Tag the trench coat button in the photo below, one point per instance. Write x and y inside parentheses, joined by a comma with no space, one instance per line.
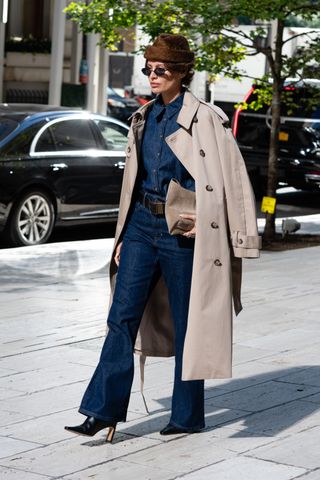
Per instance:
(128,149)
(195,120)
(214,225)
(209,188)
(240,241)
(217,262)
(202,153)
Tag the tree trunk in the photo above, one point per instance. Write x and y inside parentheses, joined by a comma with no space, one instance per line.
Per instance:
(275,67)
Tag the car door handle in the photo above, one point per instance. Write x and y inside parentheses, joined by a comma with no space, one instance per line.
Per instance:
(120,165)
(56,167)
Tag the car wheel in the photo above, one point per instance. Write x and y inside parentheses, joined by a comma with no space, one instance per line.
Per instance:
(32,219)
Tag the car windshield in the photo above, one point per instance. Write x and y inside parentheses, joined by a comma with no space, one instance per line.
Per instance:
(7,126)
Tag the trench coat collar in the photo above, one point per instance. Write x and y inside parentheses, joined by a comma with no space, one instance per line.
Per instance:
(188,110)
(139,117)
(185,118)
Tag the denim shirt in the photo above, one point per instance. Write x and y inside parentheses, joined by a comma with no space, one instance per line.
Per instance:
(158,163)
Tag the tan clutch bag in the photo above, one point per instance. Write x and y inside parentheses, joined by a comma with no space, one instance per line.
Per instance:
(179,200)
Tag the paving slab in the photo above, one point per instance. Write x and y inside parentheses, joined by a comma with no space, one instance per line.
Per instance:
(245,469)
(45,378)
(121,470)
(6,393)
(12,446)
(7,417)
(307,376)
(12,474)
(77,454)
(300,450)
(279,421)
(237,441)
(182,454)
(311,476)
(263,396)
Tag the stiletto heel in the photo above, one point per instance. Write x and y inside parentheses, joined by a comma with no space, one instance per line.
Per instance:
(93,425)
(110,434)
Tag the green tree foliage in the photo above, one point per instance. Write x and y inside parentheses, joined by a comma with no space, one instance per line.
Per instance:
(220,42)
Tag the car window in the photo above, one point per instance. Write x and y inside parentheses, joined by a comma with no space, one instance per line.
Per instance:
(45,142)
(114,136)
(67,135)
(7,126)
(21,143)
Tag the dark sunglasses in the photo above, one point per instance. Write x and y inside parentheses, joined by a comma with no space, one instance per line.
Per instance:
(159,71)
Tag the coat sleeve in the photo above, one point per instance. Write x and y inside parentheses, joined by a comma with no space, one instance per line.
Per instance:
(239,196)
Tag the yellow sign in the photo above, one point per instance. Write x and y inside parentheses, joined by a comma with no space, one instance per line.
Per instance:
(268,204)
(283,136)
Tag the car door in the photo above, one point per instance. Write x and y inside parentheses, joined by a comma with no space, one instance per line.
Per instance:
(113,139)
(81,173)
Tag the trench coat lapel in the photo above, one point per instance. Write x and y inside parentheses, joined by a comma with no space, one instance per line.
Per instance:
(180,141)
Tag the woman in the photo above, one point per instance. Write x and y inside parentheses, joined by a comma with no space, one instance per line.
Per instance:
(172,294)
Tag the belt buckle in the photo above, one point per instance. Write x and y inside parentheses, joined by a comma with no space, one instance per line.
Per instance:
(157,208)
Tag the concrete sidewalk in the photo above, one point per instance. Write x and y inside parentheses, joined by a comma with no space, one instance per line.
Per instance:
(264,424)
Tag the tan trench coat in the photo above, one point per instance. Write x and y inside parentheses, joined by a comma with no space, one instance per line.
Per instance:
(226,232)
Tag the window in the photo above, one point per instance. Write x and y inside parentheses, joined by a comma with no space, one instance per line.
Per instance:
(115,136)
(45,142)
(67,135)
(21,143)
(7,126)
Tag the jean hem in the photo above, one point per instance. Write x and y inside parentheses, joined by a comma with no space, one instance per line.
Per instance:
(195,429)
(101,417)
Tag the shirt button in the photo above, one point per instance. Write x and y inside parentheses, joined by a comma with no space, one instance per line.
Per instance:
(214,225)
(202,153)
(217,262)
(158,154)
(240,241)
(209,188)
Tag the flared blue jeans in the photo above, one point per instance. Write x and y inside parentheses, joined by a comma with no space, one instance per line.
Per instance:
(148,251)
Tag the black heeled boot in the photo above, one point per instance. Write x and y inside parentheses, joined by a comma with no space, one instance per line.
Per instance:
(172,430)
(93,425)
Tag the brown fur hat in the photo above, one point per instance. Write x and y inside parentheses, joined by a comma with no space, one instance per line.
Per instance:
(171,48)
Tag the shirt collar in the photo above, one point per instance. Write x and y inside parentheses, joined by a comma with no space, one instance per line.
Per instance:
(172,108)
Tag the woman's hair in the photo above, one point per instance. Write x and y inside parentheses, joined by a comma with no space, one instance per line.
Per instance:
(181,68)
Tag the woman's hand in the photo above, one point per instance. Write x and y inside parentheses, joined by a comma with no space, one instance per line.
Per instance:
(117,254)
(190,233)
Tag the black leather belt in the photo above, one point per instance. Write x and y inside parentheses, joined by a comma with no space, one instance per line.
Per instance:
(156,208)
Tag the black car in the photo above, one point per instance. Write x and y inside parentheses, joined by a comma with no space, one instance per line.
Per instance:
(299,152)
(57,167)
(120,107)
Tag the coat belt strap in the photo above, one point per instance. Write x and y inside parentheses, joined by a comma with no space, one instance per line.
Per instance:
(142,365)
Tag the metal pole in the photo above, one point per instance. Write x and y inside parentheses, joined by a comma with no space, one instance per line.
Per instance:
(103,80)
(2,53)
(56,67)
(93,64)
(76,53)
